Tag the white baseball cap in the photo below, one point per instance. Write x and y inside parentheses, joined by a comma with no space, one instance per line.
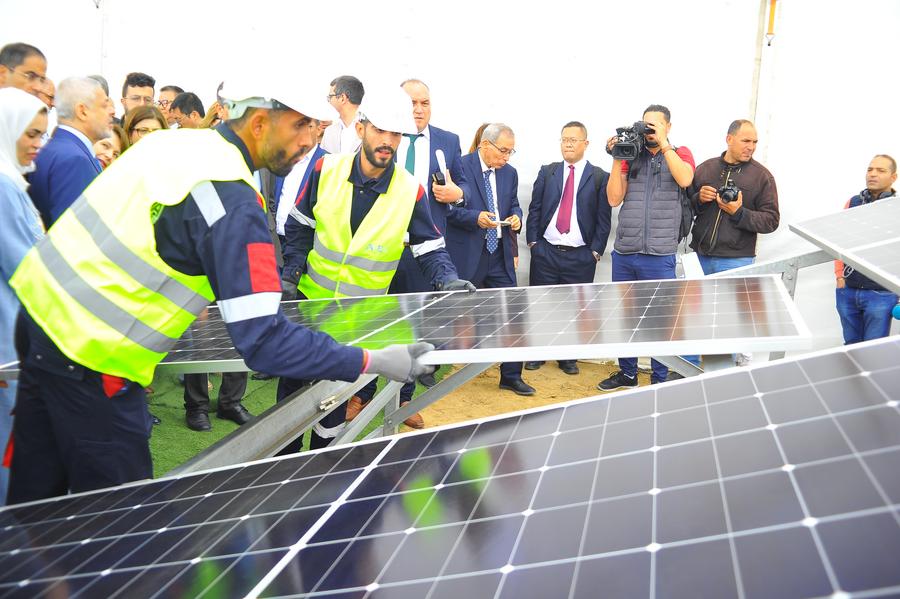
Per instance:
(272,92)
(389,109)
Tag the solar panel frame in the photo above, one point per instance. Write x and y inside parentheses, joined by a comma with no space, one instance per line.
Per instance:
(495,325)
(865,237)
(761,482)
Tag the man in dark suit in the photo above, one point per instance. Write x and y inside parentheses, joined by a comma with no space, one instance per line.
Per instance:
(418,154)
(568,220)
(481,251)
(66,165)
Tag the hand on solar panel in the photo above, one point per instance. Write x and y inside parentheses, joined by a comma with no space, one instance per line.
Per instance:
(400,362)
(458,285)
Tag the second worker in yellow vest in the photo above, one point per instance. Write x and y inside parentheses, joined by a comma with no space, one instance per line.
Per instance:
(347,232)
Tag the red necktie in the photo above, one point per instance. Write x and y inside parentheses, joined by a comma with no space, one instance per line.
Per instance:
(565,204)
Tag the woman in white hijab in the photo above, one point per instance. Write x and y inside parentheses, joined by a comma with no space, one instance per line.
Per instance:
(23,121)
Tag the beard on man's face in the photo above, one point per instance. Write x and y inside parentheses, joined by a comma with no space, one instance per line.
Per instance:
(373,157)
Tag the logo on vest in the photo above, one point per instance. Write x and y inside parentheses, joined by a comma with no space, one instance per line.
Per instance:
(378,249)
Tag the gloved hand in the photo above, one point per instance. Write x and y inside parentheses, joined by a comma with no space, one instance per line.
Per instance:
(458,285)
(288,290)
(290,276)
(400,362)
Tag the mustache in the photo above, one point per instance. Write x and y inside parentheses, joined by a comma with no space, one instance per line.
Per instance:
(385,149)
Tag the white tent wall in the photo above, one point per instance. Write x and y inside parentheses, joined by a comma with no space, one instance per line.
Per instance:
(827,86)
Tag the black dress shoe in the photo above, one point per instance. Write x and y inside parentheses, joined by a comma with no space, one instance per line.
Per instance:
(261,376)
(569,367)
(533,365)
(518,386)
(427,380)
(156,421)
(198,421)
(237,414)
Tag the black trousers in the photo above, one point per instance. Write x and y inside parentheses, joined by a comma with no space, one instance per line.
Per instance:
(75,429)
(491,274)
(196,391)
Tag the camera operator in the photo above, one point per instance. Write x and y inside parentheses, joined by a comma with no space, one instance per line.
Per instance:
(734,198)
(649,189)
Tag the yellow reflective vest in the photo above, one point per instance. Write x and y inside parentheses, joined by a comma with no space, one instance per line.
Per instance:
(96,284)
(346,264)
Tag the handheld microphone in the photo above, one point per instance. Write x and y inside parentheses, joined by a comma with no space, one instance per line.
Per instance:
(440,178)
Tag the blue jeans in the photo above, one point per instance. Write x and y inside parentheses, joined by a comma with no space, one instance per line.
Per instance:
(642,267)
(865,313)
(714,264)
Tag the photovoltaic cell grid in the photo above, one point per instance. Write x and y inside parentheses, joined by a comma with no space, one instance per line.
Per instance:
(866,238)
(774,481)
(571,321)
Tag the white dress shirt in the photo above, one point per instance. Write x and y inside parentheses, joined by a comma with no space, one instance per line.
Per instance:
(423,158)
(574,237)
(290,189)
(339,138)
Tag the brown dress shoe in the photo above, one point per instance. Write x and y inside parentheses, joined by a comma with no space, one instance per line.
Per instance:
(415,421)
(354,407)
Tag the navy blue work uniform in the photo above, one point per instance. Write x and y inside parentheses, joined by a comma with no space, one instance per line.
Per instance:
(77,429)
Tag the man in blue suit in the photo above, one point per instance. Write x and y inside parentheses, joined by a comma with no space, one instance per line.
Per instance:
(418,154)
(481,252)
(66,165)
(568,220)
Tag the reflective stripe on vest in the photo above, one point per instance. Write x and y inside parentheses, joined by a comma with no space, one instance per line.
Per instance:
(345,264)
(96,284)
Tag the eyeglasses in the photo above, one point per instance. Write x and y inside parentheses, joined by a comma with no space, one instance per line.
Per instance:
(330,96)
(141,99)
(30,75)
(505,151)
(570,140)
(143,130)
(160,103)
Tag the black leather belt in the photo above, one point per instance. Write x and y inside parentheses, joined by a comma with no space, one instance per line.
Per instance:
(565,248)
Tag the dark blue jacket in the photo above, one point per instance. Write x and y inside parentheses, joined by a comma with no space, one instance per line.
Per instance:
(64,168)
(465,239)
(592,208)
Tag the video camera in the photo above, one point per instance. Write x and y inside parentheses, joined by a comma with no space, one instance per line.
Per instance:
(630,140)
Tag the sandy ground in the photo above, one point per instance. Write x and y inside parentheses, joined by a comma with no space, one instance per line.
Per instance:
(481,396)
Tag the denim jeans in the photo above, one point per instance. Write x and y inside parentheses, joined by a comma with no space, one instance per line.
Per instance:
(642,267)
(865,313)
(714,264)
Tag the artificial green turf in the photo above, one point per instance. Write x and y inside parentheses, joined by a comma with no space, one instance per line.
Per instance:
(173,443)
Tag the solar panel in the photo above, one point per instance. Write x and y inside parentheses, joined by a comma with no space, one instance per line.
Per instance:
(866,238)
(668,317)
(779,480)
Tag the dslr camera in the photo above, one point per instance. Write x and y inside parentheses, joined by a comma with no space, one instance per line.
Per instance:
(728,192)
(630,141)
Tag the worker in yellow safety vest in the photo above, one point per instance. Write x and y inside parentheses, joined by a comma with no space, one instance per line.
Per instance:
(348,230)
(173,225)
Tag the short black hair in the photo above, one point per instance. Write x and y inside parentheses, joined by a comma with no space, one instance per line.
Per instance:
(137,80)
(349,86)
(12,55)
(578,124)
(171,88)
(188,102)
(659,108)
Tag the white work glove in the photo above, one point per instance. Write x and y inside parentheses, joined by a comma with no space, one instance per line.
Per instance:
(399,362)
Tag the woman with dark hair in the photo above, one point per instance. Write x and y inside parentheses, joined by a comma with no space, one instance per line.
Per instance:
(141,120)
(107,150)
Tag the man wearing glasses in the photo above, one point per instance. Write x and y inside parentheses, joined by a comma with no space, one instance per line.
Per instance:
(24,67)
(568,220)
(137,91)
(167,95)
(477,233)
(345,96)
